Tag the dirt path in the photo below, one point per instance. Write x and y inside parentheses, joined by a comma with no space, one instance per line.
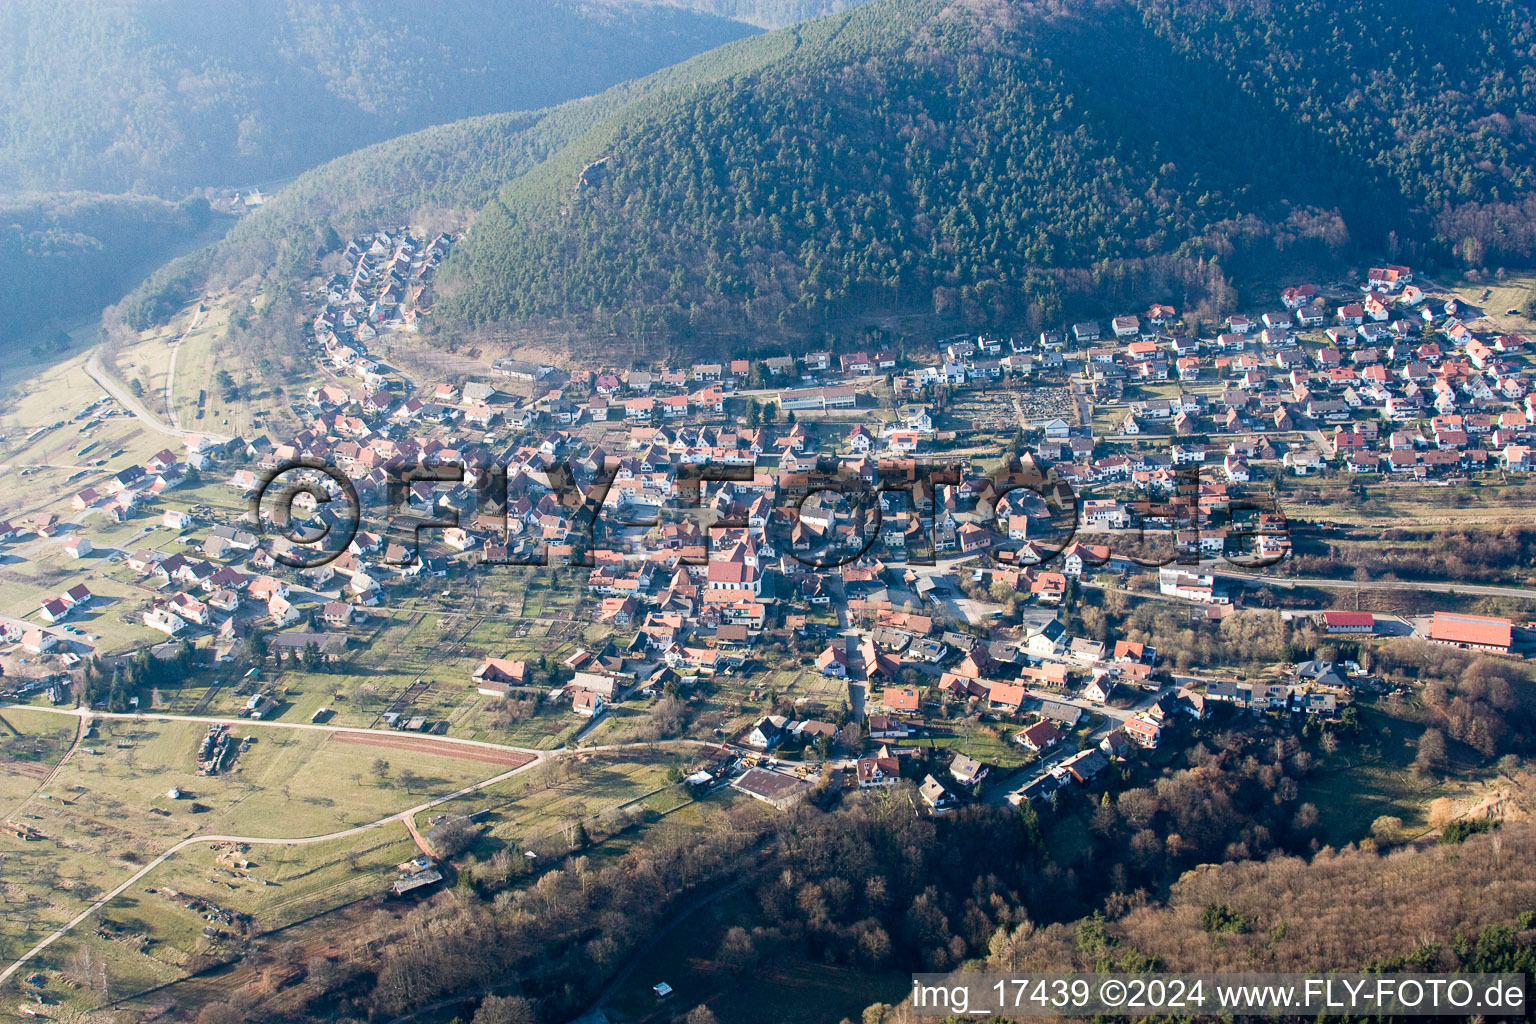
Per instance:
(52,773)
(97,373)
(170,373)
(427,745)
(440,744)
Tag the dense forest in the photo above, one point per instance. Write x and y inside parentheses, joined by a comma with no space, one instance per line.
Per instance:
(765,13)
(986,163)
(70,254)
(163,96)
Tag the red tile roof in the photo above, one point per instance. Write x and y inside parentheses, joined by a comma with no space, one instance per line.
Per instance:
(1448,627)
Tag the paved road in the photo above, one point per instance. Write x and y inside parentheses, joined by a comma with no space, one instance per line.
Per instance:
(1288,582)
(124,397)
(858,692)
(582,734)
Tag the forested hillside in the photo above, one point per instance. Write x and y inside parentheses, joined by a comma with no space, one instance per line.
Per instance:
(440,175)
(70,254)
(765,13)
(166,95)
(458,166)
(989,163)
(169,96)
(1464,907)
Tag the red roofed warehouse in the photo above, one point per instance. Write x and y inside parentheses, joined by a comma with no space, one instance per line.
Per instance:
(1471,631)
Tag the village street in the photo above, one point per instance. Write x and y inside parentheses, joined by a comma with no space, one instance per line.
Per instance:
(1009,788)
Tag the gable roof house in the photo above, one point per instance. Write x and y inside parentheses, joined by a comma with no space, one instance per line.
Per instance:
(767,732)
(1041,736)
(496,676)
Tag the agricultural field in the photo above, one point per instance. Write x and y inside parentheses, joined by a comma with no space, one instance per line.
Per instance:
(109,808)
(607,792)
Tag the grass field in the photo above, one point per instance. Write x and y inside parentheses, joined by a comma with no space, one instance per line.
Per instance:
(30,741)
(110,799)
(1351,791)
(284,884)
(149,363)
(1505,294)
(533,810)
(966,737)
(290,782)
(440,641)
(150,936)
(108,809)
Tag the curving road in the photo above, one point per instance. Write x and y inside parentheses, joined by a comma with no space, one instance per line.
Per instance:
(123,397)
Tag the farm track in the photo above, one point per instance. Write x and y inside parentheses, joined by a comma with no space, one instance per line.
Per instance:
(46,777)
(425,745)
(120,394)
(400,816)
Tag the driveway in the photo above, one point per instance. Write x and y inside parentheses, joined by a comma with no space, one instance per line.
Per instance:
(1112,717)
